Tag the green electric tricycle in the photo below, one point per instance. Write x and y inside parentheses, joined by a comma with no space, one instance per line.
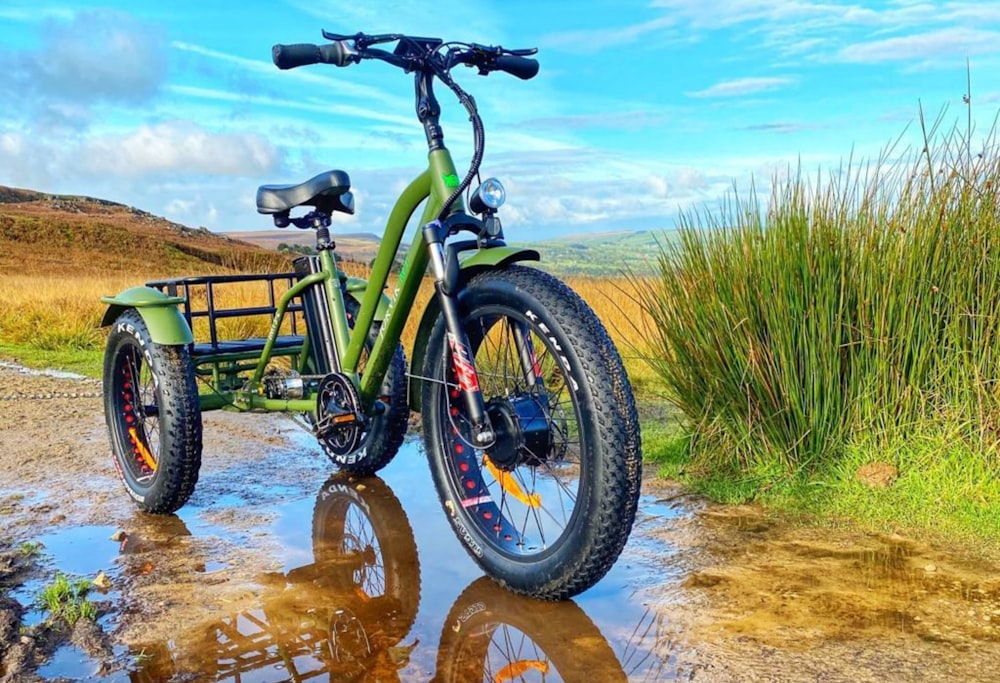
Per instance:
(529,422)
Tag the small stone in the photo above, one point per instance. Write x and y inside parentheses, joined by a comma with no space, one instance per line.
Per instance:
(102,581)
(118,536)
(877,475)
(930,568)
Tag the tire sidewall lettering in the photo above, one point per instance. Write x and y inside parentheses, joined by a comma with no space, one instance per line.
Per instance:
(567,366)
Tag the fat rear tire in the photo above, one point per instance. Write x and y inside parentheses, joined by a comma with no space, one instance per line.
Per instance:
(153,416)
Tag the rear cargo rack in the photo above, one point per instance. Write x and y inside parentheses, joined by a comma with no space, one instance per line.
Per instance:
(211,289)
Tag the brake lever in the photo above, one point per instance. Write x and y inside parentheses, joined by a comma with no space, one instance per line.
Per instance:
(526,52)
(338,36)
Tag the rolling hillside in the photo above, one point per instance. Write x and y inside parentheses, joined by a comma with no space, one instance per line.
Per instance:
(595,255)
(357,246)
(600,254)
(67,235)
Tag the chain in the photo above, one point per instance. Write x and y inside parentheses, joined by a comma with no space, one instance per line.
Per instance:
(49,396)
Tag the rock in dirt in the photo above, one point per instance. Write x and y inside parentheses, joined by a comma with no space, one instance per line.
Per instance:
(877,475)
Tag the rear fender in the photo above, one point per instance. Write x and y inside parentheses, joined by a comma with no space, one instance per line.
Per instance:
(471,263)
(164,320)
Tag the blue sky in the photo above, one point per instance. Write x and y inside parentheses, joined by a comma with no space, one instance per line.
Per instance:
(641,108)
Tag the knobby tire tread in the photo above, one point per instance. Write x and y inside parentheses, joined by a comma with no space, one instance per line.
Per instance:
(179,459)
(617,432)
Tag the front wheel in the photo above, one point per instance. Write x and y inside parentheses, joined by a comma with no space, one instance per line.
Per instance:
(153,415)
(547,507)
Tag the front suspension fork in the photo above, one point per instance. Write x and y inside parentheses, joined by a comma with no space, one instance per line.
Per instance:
(458,341)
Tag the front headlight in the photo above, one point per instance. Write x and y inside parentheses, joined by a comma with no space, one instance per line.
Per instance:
(489,196)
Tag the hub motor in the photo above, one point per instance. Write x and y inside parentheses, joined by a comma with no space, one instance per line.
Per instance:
(523,434)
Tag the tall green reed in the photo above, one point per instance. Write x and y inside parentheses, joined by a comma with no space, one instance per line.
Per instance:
(862,301)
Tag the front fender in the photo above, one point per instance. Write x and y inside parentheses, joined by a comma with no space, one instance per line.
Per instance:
(471,263)
(165,322)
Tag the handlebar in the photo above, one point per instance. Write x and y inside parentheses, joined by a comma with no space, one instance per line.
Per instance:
(427,58)
(411,54)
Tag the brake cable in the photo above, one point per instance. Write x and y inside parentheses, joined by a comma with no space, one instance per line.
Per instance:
(479,136)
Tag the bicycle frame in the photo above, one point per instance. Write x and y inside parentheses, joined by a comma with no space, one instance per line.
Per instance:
(429,185)
(439,186)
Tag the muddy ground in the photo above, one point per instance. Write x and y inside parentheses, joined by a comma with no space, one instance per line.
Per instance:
(735,594)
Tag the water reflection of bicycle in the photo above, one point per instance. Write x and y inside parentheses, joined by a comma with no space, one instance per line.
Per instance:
(347,614)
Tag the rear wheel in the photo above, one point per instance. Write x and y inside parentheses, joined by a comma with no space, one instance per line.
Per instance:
(547,507)
(153,415)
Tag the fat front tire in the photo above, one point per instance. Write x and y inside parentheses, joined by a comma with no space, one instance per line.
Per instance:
(386,432)
(546,508)
(153,415)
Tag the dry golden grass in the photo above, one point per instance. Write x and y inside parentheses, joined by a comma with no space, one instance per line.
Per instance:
(56,314)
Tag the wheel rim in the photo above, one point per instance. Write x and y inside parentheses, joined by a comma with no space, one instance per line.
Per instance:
(137,422)
(522,497)
(355,539)
(512,655)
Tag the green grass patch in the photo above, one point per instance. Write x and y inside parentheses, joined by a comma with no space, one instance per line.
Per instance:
(849,318)
(86,361)
(30,549)
(944,487)
(67,600)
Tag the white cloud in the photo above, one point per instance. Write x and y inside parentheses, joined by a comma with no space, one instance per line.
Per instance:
(820,29)
(594,40)
(180,147)
(949,42)
(342,86)
(744,86)
(100,54)
(315,106)
(32,13)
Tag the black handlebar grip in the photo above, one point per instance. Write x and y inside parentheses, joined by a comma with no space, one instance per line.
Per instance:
(291,56)
(521,67)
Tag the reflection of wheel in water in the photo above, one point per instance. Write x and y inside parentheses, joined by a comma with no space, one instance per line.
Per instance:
(492,635)
(363,545)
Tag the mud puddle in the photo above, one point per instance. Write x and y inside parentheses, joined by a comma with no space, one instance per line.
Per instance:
(369,583)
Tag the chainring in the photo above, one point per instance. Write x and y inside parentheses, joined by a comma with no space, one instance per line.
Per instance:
(340,421)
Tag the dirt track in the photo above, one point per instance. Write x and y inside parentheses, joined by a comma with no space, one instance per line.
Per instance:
(741,596)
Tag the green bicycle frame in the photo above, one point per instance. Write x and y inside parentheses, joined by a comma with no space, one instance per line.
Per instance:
(431,185)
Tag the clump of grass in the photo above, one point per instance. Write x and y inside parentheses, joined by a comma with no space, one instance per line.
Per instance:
(30,549)
(66,600)
(849,313)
